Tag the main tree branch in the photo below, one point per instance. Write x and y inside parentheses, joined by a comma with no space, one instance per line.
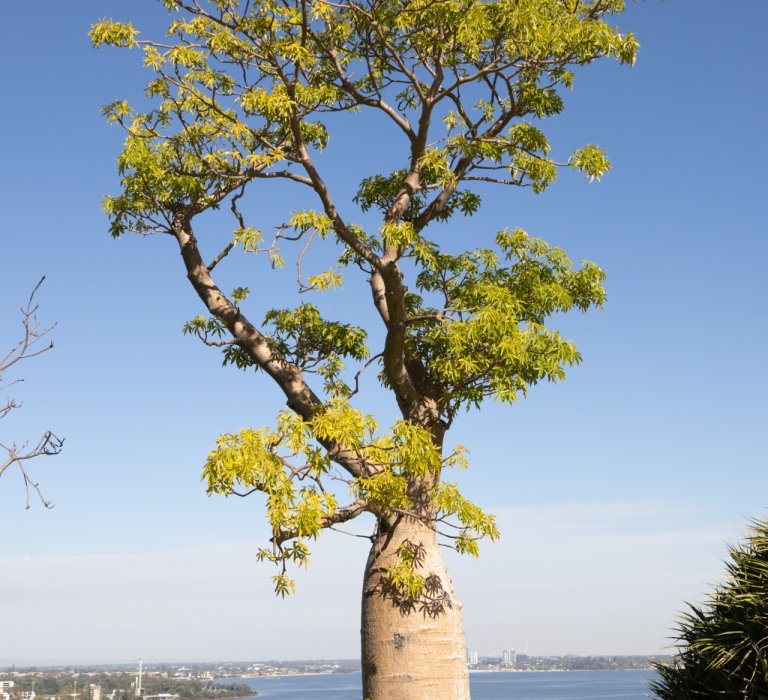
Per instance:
(301,399)
(340,515)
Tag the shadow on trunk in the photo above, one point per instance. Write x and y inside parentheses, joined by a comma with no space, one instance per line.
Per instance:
(432,601)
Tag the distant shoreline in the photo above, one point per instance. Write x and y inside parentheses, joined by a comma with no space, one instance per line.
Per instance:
(479,670)
(288,675)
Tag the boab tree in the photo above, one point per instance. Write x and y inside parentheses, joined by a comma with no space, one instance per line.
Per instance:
(241,91)
(33,342)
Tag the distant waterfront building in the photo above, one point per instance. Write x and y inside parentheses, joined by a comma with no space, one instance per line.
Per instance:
(472,658)
(509,657)
(139,675)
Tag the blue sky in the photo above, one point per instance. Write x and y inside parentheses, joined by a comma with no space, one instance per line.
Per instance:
(616,489)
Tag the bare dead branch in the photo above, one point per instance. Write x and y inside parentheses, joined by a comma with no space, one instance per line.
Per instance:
(223,254)
(362,369)
(27,347)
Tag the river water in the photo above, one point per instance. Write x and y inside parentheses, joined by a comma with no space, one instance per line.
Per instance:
(540,685)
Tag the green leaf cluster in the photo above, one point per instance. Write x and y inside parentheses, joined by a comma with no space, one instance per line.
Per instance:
(474,523)
(489,339)
(403,577)
(380,191)
(109,33)
(309,341)
(289,464)
(591,161)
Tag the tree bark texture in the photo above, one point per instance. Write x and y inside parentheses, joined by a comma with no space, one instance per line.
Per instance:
(412,648)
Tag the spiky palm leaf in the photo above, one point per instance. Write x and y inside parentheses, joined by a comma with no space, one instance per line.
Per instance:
(723,645)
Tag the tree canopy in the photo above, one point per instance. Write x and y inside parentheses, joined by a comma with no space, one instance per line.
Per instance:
(241,92)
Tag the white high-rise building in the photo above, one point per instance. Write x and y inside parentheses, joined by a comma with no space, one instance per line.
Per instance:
(472,658)
(509,657)
(139,677)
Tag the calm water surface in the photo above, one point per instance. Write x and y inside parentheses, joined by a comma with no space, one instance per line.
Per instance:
(572,685)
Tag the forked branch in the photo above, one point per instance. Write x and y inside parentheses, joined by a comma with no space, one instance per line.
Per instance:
(33,342)
(340,515)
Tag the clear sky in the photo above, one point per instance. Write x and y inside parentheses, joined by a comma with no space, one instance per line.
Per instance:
(616,490)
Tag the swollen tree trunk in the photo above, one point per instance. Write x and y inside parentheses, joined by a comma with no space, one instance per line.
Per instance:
(412,648)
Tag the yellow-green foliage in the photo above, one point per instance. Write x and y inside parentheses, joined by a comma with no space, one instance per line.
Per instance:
(403,576)
(490,338)
(239,92)
(287,464)
(234,125)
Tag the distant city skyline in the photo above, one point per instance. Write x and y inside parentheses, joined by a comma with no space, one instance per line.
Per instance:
(616,490)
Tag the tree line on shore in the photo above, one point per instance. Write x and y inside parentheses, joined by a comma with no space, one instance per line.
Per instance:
(122,686)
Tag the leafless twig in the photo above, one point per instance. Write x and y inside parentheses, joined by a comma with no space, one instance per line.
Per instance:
(34,342)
